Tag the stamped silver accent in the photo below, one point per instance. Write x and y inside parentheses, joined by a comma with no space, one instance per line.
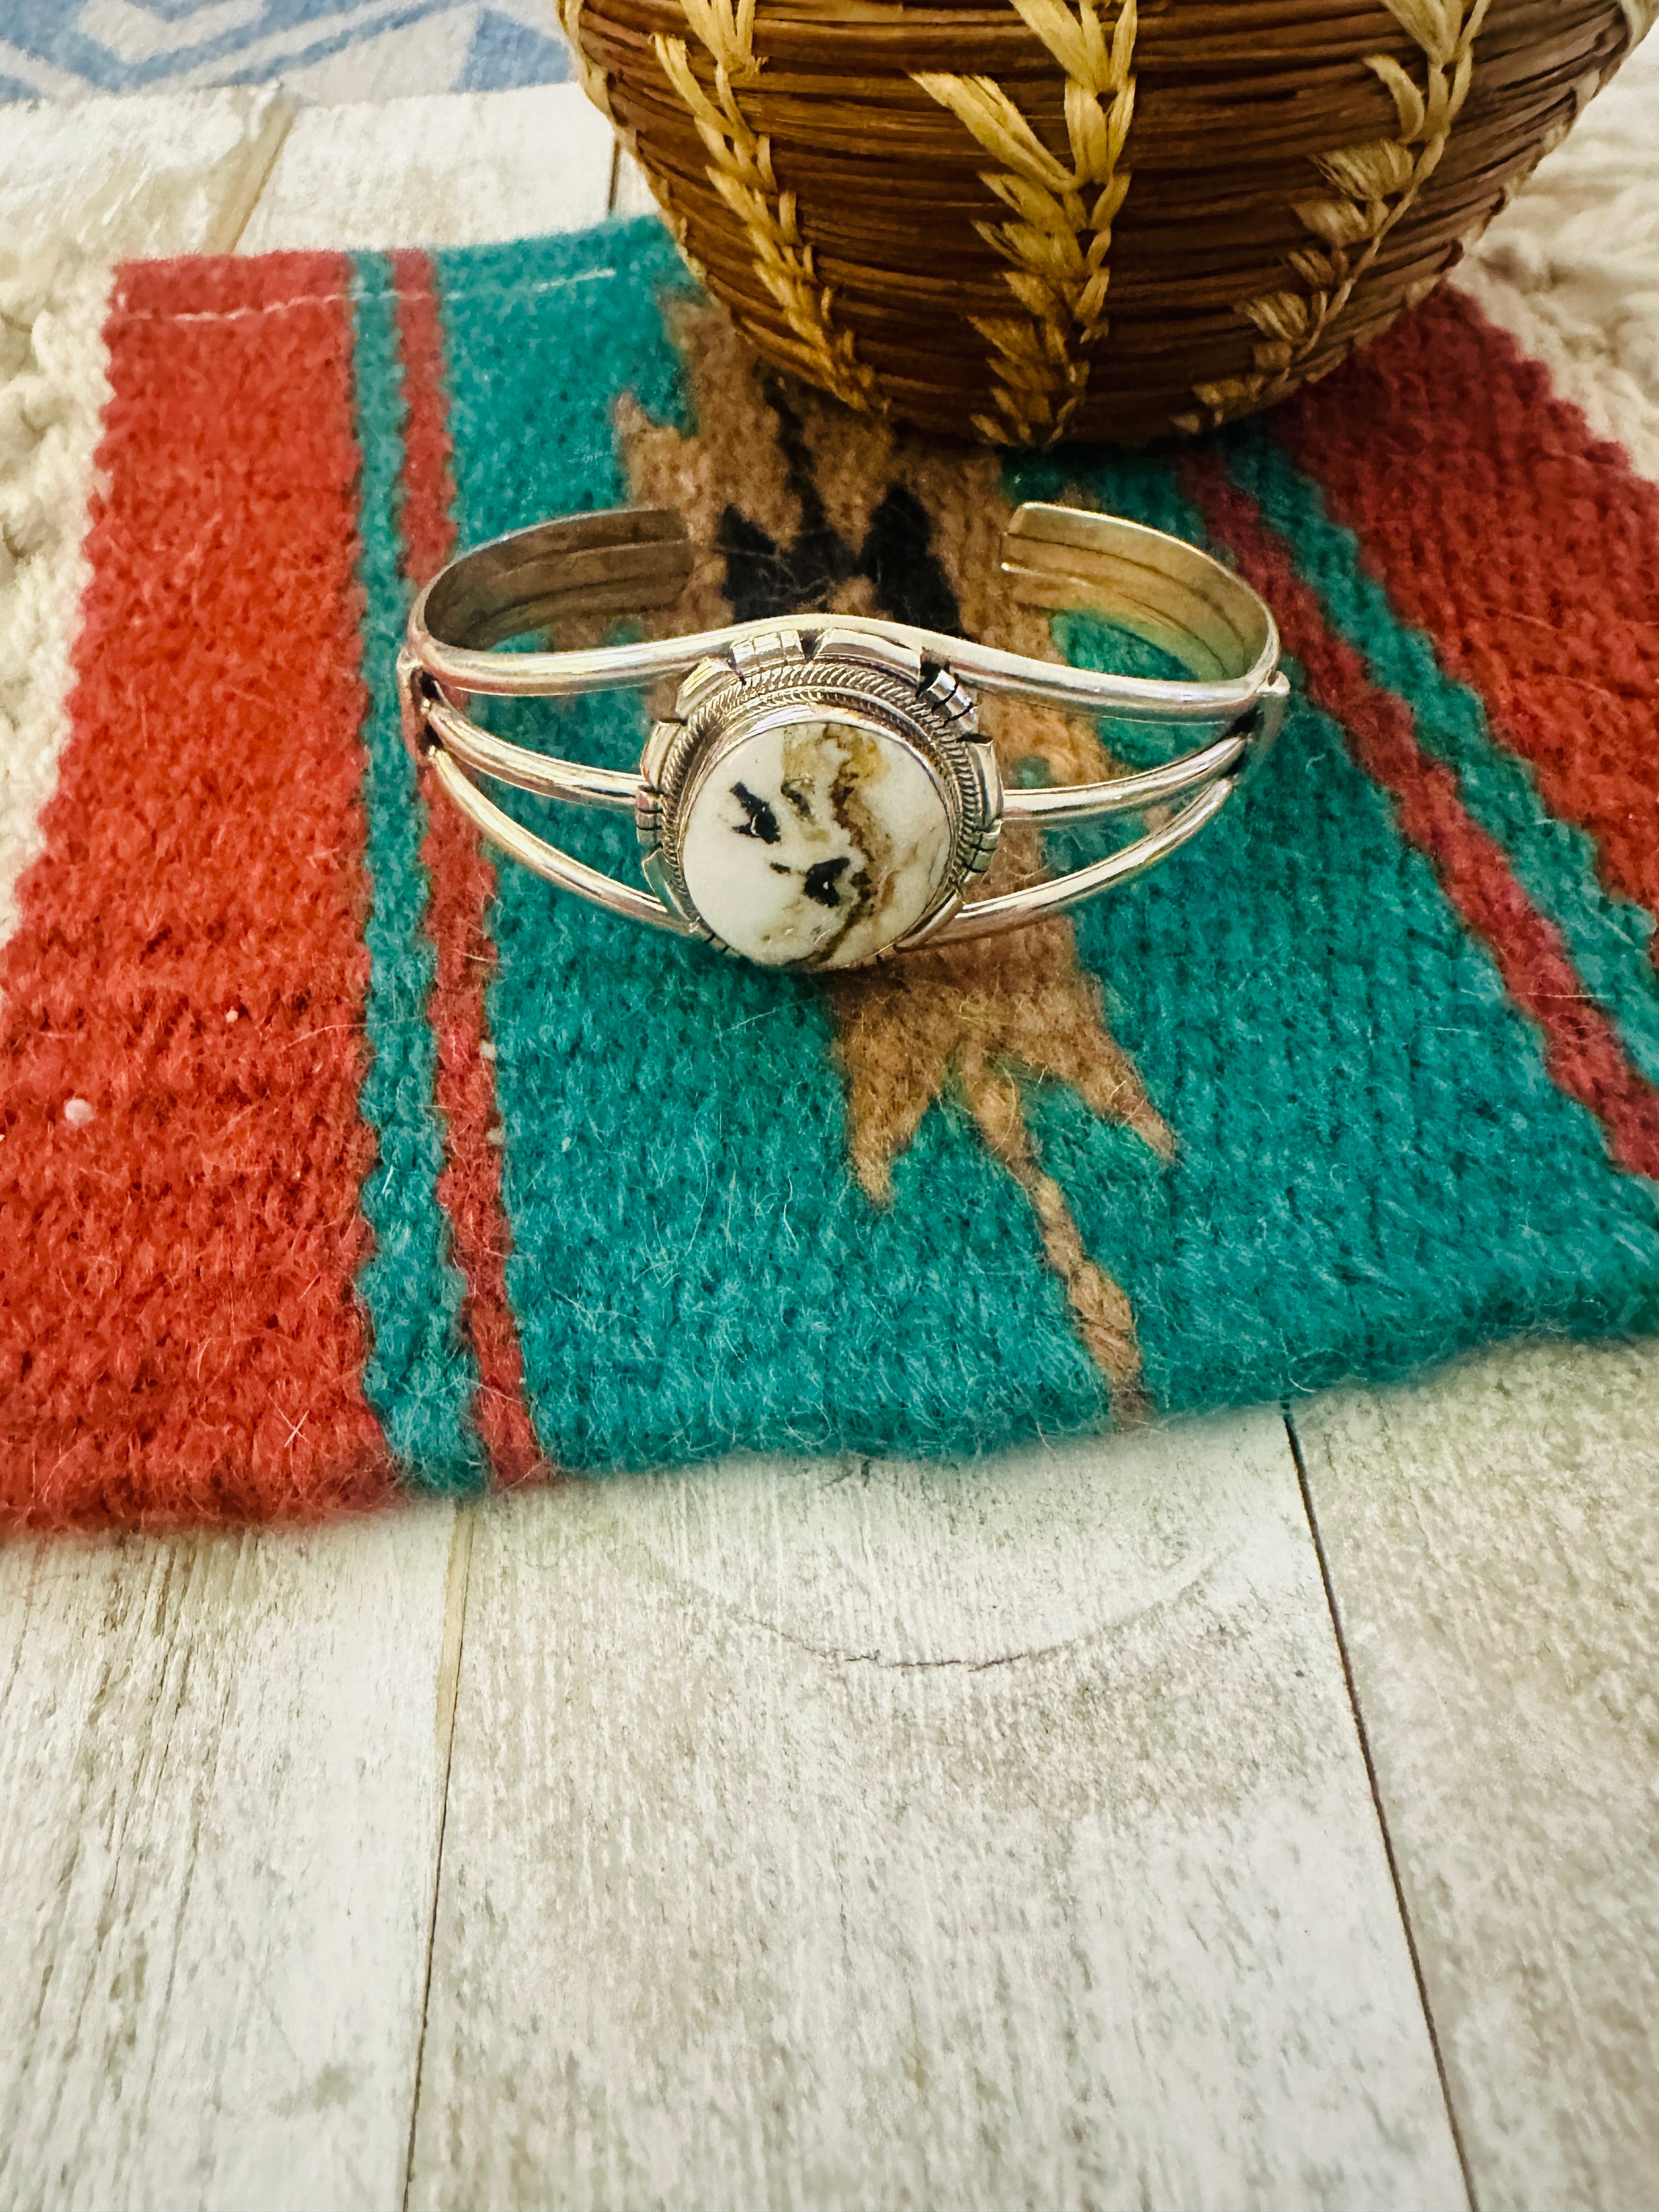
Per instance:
(771,649)
(957,701)
(845,645)
(708,676)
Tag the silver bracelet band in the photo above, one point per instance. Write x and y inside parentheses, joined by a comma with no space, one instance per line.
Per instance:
(822,796)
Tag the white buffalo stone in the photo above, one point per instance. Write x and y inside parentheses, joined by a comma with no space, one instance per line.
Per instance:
(822,840)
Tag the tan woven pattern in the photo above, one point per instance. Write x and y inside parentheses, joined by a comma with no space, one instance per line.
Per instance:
(927,210)
(975,1021)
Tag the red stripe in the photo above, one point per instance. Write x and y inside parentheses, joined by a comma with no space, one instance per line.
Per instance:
(1527,549)
(463,884)
(1581,1048)
(178,1332)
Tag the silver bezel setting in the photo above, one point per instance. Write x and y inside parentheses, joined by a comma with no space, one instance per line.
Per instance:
(835,676)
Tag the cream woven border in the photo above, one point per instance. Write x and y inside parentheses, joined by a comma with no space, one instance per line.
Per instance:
(1570,268)
(53,387)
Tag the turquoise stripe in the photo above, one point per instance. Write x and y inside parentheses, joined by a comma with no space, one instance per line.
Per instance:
(1554,861)
(1373,1167)
(692,1268)
(420,1377)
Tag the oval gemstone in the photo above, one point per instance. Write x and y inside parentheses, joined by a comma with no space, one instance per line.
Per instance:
(823,840)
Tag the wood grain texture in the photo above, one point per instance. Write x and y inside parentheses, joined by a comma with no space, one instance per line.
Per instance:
(147,173)
(222,1760)
(447,169)
(1492,1539)
(862,1835)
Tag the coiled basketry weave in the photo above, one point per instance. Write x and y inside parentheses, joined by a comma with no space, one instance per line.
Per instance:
(1026,220)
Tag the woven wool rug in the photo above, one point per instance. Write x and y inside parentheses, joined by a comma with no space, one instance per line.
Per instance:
(337,1161)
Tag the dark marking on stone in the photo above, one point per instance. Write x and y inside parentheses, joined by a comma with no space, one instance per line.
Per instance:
(823,883)
(762,822)
(799,799)
(781,868)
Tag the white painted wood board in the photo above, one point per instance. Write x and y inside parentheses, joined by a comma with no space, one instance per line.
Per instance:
(860,1835)
(1492,1539)
(221,1763)
(445,169)
(146,173)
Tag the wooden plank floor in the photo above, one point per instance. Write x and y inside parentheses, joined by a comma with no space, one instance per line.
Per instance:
(1492,1537)
(221,1763)
(848,1834)
(865,1835)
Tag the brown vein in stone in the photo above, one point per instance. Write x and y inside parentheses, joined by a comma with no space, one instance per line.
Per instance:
(874,881)
(975,1017)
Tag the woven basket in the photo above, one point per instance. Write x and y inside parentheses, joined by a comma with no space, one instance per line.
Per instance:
(1026,220)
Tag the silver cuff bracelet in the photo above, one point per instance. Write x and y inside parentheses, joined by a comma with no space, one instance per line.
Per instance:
(822,798)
